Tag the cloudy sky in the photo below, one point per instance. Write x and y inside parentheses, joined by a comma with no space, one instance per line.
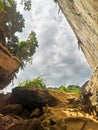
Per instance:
(58,57)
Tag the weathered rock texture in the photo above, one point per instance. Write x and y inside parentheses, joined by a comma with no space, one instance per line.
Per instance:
(62,116)
(82,15)
(89,93)
(8,66)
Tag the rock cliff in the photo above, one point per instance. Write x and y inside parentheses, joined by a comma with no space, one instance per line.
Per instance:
(8,66)
(82,15)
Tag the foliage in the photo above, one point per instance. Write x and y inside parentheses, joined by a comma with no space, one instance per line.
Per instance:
(63,88)
(25,49)
(73,86)
(9,3)
(4,3)
(38,82)
(74,89)
(70,89)
(11,21)
(27,4)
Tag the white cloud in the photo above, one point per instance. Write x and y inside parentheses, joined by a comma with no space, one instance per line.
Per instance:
(58,56)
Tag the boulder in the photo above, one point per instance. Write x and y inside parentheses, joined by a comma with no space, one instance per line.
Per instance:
(3,100)
(12,109)
(31,98)
(9,122)
(8,66)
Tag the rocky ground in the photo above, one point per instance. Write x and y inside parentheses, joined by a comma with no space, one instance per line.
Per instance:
(34,109)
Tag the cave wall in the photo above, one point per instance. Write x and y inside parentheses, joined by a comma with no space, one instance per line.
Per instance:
(82,15)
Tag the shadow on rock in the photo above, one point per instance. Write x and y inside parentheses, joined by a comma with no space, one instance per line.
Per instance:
(31,98)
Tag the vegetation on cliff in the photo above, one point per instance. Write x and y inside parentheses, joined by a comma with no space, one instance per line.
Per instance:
(39,82)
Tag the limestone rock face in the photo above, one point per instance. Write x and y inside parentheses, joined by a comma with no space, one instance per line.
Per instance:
(90,93)
(8,66)
(82,15)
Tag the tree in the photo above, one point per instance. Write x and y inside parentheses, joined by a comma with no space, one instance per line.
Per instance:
(73,86)
(9,3)
(11,21)
(27,4)
(25,49)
